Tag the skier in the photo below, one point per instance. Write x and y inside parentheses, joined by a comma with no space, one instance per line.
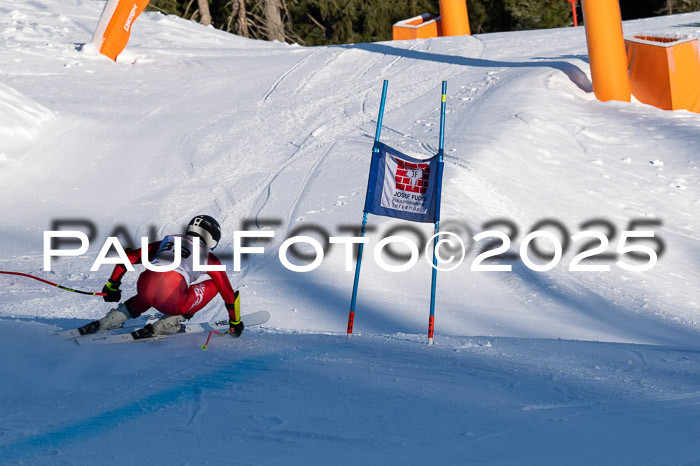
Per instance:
(172,293)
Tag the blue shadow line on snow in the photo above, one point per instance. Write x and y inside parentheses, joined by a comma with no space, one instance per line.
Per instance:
(607,313)
(574,73)
(80,430)
(61,322)
(371,318)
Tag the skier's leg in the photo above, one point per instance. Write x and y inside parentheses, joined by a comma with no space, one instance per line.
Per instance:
(197,296)
(149,284)
(165,292)
(115,318)
(153,288)
(161,290)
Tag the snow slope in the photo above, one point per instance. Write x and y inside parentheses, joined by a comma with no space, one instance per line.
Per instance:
(528,367)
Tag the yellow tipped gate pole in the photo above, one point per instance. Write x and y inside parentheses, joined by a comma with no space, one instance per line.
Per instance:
(606,49)
(454,18)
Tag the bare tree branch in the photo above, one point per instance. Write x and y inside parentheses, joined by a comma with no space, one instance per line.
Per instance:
(315,21)
(187,10)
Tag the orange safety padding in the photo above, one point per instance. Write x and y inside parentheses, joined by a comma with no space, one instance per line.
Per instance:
(418,27)
(606,50)
(665,72)
(118,29)
(454,16)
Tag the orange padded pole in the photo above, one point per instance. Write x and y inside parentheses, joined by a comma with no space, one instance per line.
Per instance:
(114,27)
(606,49)
(454,18)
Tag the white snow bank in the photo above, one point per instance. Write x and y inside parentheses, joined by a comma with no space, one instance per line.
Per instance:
(20,117)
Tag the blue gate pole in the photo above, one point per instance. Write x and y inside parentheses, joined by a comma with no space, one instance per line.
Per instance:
(441,151)
(377,134)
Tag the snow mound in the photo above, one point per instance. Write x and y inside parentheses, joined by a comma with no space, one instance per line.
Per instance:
(21,117)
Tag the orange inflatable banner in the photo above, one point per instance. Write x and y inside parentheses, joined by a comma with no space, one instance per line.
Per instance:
(114,28)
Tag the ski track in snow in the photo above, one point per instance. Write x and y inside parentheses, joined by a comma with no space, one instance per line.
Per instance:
(341,127)
(288,72)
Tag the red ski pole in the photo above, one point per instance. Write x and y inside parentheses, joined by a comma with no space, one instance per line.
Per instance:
(211,332)
(52,284)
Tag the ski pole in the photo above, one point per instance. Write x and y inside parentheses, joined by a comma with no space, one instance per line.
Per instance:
(211,332)
(51,283)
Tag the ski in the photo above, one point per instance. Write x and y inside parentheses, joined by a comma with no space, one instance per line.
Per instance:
(249,320)
(139,322)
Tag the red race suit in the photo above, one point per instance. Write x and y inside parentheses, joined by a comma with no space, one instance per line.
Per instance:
(173,292)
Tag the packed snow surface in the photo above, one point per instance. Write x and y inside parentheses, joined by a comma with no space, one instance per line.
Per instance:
(528,367)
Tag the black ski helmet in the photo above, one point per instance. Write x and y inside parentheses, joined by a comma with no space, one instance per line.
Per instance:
(205,227)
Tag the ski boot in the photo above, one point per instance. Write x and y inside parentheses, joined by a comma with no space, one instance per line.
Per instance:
(168,325)
(114,319)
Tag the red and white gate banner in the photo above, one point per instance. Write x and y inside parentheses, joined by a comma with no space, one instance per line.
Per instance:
(402,186)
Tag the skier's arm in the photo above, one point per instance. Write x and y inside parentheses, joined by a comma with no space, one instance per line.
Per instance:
(111,290)
(223,285)
(134,256)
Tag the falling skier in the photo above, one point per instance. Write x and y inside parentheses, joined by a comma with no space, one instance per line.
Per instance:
(172,292)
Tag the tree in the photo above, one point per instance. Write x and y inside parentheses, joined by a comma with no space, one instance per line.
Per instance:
(324,22)
(539,14)
(273,20)
(674,7)
(489,16)
(204,12)
(238,12)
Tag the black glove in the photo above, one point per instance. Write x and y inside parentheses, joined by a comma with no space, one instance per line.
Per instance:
(235,328)
(112,292)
